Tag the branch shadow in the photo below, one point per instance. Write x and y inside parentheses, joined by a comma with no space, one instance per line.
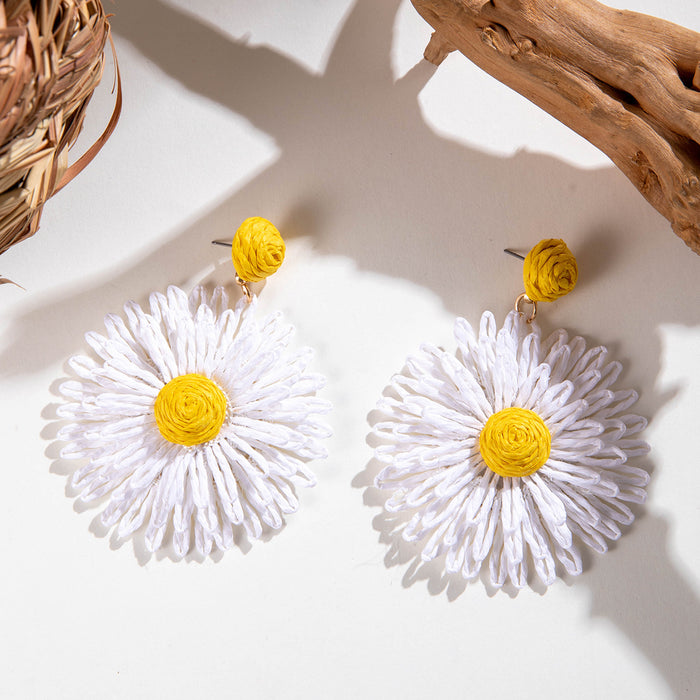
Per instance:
(640,589)
(363,175)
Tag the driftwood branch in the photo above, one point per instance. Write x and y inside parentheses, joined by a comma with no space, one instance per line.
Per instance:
(627,82)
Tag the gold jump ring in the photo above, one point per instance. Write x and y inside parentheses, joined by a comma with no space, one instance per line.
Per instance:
(525,299)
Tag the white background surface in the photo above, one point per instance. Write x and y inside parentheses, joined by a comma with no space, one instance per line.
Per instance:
(397,187)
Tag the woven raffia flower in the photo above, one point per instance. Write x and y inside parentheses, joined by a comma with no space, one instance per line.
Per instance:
(510,451)
(196,418)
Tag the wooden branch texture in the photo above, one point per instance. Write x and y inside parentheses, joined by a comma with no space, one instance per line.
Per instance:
(626,82)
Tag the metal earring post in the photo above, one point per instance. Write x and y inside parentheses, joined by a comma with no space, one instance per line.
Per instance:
(523,298)
(505,250)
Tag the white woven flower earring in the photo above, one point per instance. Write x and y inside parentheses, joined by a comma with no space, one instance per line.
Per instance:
(195,418)
(509,452)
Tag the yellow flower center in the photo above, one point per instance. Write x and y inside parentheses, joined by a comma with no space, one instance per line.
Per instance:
(515,442)
(190,409)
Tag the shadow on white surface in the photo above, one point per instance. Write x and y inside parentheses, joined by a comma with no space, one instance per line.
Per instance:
(362,174)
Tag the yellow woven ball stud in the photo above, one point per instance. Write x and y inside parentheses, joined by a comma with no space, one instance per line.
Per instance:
(549,271)
(257,249)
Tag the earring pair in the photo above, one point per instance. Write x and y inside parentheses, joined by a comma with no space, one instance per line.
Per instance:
(197,419)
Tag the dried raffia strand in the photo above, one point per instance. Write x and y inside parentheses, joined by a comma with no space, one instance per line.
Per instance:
(257,250)
(549,271)
(515,442)
(190,409)
(51,60)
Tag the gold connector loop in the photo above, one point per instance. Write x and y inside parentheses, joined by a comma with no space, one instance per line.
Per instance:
(525,299)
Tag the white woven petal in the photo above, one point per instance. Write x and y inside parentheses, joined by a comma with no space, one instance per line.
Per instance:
(428,434)
(193,497)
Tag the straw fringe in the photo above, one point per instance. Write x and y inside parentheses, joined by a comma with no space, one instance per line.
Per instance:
(51,60)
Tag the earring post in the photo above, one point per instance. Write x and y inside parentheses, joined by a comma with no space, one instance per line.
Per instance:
(511,252)
(228,245)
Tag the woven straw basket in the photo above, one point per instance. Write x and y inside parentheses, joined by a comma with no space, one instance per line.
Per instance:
(51,60)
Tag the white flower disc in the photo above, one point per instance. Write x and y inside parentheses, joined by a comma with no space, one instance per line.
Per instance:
(455,505)
(245,474)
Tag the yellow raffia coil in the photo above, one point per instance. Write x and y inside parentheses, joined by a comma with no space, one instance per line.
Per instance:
(549,271)
(190,409)
(257,250)
(515,442)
